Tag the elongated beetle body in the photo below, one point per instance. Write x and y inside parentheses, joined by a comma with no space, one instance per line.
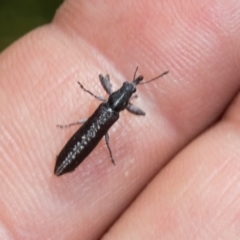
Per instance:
(96,127)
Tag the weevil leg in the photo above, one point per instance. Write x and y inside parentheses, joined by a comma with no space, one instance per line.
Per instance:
(105,81)
(72,124)
(134,96)
(135,110)
(109,149)
(97,97)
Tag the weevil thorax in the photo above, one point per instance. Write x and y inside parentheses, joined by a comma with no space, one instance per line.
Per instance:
(119,100)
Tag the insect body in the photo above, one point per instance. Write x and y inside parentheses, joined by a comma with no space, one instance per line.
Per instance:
(94,128)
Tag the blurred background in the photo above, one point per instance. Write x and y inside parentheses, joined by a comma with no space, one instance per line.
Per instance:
(18,17)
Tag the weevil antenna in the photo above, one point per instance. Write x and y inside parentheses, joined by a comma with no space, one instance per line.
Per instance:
(161,75)
(135,73)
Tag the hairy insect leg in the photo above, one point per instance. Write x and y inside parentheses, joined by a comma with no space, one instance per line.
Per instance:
(105,81)
(97,97)
(72,124)
(135,110)
(110,152)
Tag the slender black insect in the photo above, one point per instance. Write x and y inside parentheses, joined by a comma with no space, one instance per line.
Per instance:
(94,128)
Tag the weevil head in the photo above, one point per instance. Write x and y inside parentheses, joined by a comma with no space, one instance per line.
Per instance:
(137,80)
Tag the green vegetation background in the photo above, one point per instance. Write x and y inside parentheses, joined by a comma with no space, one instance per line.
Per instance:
(18,17)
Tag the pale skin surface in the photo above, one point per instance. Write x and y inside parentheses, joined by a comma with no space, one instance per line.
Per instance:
(177,173)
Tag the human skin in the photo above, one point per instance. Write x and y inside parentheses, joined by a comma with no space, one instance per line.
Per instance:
(177,170)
